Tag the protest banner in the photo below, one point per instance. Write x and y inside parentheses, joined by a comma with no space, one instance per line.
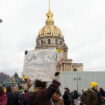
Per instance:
(41,64)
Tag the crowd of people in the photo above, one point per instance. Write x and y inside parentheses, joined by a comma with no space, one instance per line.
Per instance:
(41,95)
(91,96)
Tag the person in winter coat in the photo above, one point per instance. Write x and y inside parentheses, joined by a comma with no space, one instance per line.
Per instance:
(67,97)
(102,93)
(75,97)
(57,100)
(42,96)
(81,96)
(75,94)
(3,97)
(92,96)
(10,96)
(16,96)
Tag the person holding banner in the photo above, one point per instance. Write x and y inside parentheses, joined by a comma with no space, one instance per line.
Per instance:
(41,95)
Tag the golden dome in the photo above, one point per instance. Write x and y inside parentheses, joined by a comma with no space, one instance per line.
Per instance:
(50,29)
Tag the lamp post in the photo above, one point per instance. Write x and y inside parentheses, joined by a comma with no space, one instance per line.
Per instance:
(77,79)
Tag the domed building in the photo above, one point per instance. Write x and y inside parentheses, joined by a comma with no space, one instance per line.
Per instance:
(50,36)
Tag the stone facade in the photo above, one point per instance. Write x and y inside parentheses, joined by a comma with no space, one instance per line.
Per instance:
(50,36)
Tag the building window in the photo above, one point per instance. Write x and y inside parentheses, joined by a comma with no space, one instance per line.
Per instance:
(41,42)
(49,41)
(60,42)
(44,42)
(37,43)
(56,41)
(49,33)
(75,70)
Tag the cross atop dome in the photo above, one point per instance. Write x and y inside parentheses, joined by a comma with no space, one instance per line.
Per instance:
(49,20)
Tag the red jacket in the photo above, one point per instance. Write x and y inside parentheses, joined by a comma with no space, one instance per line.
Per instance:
(3,99)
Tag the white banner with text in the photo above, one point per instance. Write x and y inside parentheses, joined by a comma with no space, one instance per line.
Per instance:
(41,64)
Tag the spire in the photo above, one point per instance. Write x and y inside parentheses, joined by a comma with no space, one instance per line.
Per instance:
(49,5)
(49,15)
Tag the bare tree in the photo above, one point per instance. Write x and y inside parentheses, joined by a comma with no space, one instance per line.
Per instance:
(4,78)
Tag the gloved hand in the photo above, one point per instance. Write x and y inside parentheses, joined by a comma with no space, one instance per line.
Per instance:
(57,76)
(57,73)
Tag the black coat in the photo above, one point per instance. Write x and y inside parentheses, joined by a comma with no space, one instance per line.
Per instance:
(67,98)
(16,96)
(75,95)
(102,93)
(10,98)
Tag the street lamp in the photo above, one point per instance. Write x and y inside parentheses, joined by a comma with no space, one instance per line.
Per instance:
(77,79)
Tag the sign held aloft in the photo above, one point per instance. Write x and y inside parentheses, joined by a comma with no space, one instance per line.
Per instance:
(41,64)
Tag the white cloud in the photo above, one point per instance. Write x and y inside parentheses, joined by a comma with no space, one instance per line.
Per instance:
(82,23)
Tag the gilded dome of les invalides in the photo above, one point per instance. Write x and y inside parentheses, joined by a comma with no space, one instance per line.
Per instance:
(50,29)
(50,36)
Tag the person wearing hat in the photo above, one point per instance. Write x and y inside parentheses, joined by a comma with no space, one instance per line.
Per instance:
(3,97)
(92,96)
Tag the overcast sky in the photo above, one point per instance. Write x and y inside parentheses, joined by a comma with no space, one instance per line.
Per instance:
(82,23)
